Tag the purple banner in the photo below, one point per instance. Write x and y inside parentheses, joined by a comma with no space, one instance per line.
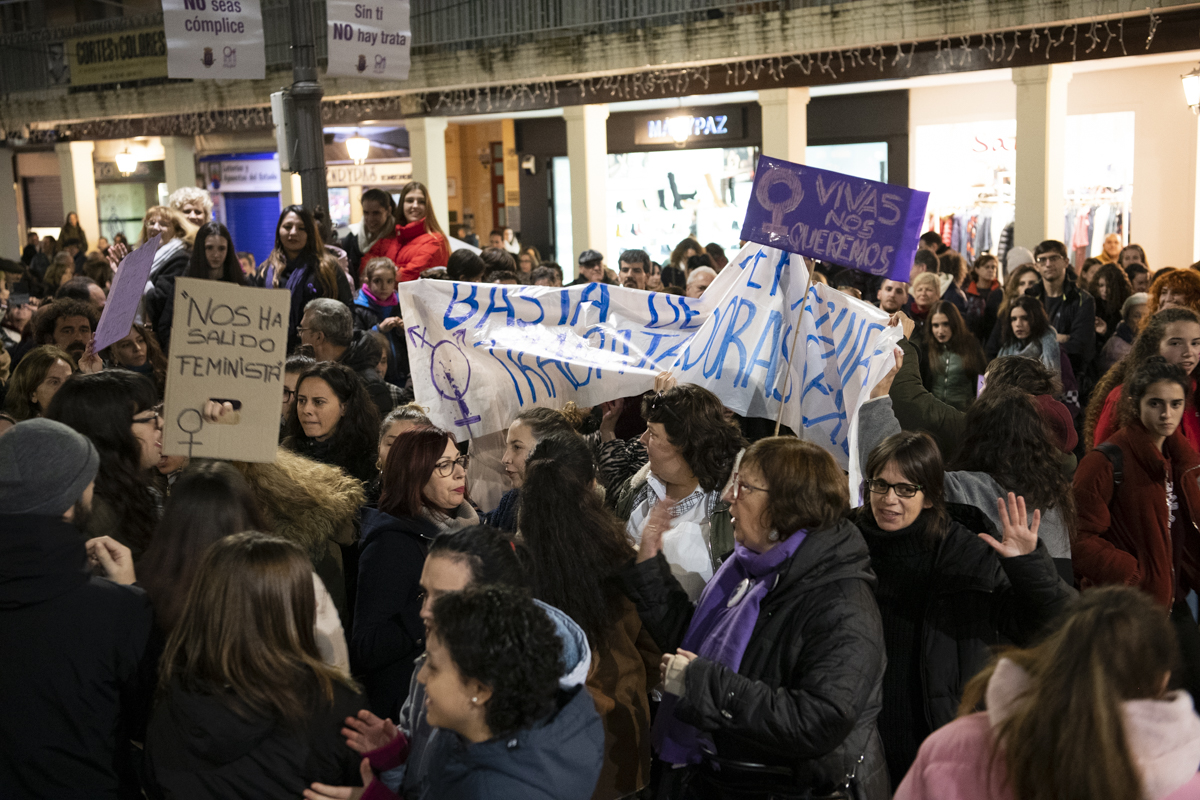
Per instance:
(853,222)
(125,295)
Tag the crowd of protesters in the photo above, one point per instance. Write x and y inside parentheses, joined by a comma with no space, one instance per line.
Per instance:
(663,601)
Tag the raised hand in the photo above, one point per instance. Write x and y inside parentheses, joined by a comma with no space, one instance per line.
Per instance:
(885,384)
(367,732)
(89,362)
(608,423)
(1020,538)
(664,381)
(652,532)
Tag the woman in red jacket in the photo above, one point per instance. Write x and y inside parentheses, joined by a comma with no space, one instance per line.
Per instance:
(419,242)
(1172,333)
(1139,528)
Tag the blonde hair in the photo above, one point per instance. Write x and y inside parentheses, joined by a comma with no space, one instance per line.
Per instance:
(926,277)
(186,195)
(181,228)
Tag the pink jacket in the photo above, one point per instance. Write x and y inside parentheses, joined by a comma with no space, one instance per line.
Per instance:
(953,763)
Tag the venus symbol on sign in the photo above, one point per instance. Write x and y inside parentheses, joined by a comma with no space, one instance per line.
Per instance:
(781,206)
(450,372)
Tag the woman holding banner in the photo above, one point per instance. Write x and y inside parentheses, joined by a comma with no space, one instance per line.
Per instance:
(692,449)
(300,263)
(419,242)
(774,680)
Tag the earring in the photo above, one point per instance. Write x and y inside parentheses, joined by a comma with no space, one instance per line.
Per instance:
(474,699)
(773,536)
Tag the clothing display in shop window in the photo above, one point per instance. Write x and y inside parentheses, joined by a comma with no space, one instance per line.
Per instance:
(983,235)
(1099,227)
(1005,244)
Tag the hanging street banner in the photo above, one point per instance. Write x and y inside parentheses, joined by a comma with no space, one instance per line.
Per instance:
(228,345)
(852,222)
(369,40)
(492,351)
(117,57)
(214,39)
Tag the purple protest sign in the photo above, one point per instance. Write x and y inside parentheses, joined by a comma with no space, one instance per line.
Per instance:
(853,222)
(125,296)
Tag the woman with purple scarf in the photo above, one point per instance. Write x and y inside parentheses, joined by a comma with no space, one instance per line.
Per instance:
(774,679)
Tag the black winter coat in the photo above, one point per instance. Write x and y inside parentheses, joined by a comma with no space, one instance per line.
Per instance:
(810,684)
(977,602)
(198,747)
(160,303)
(388,633)
(73,666)
(362,356)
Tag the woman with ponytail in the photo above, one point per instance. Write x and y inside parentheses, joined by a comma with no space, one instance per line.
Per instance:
(1083,716)
(573,549)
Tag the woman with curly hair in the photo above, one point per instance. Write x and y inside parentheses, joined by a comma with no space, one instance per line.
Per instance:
(1007,446)
(1173,334)
(1111,288)
(692,449)
(573,549)
(301,264)
(334,420)
(1176,288)
(119,411)
(473,692)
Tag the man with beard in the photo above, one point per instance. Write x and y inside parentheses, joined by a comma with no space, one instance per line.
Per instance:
(76,685)
(634,269)
(67,324)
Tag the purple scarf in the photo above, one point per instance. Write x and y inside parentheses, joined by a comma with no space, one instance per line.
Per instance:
(720,633)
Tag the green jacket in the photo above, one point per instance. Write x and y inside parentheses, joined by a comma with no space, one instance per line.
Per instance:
(918,410)
(720,542)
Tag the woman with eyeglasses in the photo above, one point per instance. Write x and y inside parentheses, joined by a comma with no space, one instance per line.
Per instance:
(774,679)
(333,420)
(424,494)
(948,596)
(118,410)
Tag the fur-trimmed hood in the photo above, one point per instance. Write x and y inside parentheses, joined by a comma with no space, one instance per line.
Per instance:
(306,501)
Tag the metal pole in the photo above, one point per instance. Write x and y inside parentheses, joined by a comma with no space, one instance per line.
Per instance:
(306,93)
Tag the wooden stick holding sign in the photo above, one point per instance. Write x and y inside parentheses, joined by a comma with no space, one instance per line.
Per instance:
(787,369)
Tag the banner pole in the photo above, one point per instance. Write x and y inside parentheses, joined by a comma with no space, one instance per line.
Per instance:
(791,353)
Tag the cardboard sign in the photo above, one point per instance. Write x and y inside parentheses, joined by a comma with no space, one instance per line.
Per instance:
(481,354)
(125,295)
(214,39)
(369,40)
(228,344)
(853,222)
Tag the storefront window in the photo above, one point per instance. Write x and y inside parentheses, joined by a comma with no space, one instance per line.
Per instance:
(657,199)
(1098,183)
(867,160)
(122,207)
(339,206)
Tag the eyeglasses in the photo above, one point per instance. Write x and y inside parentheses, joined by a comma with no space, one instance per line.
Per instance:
(155,417)
(1046,261)
(740,487)
(288,394)
(905,490)
(302,329)
(445,468)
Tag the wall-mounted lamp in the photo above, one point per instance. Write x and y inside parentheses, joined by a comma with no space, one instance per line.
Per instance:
(126,162)
(1191,89)
(359,147)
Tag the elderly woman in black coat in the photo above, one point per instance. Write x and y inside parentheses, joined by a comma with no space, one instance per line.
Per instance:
(774,679)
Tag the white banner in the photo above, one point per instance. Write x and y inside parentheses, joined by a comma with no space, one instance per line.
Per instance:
(369,40)
(492,351)
(214,39)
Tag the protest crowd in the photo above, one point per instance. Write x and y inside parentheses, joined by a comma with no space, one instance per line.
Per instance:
(652,597)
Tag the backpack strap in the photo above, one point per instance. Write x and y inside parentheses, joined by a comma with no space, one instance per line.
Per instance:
(1113,453)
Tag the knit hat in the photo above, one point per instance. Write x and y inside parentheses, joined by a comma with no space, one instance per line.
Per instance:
(1058,419)
(44,468)
(1016,257)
